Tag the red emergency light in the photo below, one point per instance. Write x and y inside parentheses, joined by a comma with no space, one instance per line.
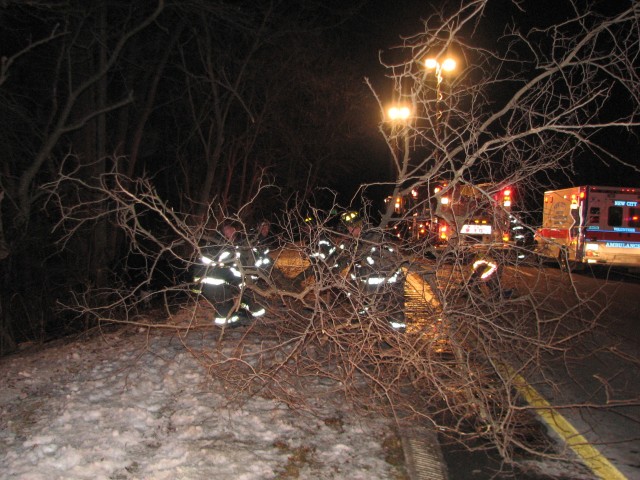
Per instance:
(506,197)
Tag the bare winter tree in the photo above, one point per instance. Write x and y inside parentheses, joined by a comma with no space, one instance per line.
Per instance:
(522,110)
(517,114)
(63,107)
(519,110)
(235,101)
(525,108)
(148,90)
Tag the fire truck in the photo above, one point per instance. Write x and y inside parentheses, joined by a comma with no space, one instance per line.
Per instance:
(473,214)
(591,225)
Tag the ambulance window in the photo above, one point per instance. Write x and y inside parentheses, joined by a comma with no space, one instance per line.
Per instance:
(615,217)
(634,217)
(594,215)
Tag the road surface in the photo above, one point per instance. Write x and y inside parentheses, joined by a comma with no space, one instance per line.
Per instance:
(596,380)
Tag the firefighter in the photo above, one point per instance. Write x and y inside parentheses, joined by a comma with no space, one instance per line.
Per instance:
(263,236)
(321,252)
(261,242)
(375,268)
(222,278)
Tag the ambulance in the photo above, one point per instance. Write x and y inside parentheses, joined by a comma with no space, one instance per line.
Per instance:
(591,225)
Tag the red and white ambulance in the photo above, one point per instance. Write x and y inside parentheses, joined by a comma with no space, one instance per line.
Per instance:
(591,225)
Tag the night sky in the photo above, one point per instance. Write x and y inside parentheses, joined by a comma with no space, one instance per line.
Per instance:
(382,23)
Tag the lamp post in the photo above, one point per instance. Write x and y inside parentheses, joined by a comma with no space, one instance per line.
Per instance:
(439,67)
(398,116)
(446,65)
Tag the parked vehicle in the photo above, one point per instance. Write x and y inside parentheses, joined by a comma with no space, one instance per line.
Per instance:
(472,214)
(591,225)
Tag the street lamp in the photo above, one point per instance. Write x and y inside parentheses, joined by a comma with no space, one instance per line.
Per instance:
(438,66)
(399,113)
(447,65)
(399,117)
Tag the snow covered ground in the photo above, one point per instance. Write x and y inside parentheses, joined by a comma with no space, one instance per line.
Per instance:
(133,405)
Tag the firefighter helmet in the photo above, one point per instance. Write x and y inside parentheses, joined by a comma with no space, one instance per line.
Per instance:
(351,219)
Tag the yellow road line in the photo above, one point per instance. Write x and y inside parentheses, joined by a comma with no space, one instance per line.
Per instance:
(589,454)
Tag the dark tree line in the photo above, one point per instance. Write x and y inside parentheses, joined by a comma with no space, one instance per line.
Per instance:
(207,98)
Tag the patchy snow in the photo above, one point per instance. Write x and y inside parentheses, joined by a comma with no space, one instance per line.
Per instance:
(138,406)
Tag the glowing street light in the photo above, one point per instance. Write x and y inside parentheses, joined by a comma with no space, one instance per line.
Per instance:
(447,65)
(398,117)
(431,63)
(399,113)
